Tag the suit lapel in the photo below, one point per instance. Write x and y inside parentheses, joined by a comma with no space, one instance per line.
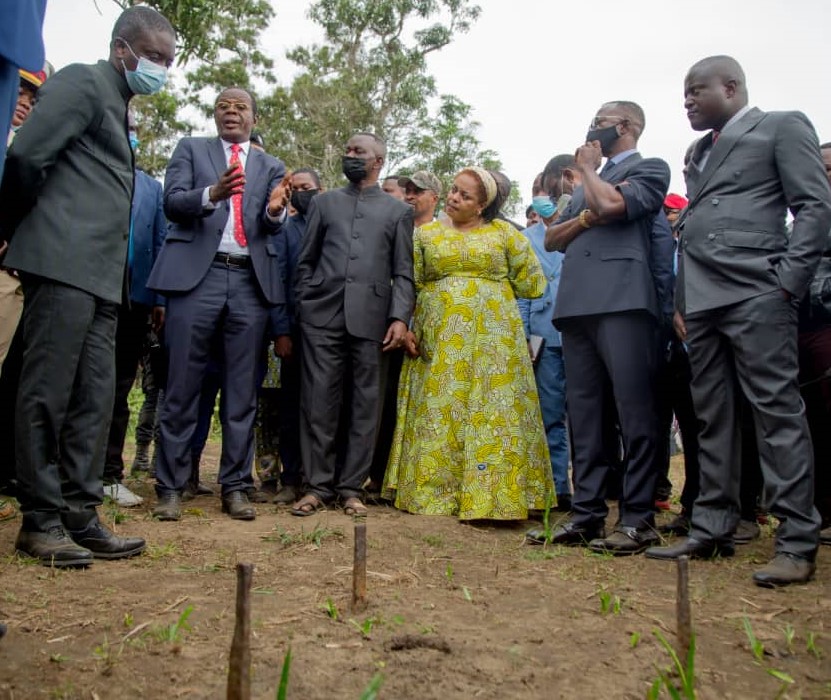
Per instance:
(618,171)
(216,151)
(253,169)
(722,149)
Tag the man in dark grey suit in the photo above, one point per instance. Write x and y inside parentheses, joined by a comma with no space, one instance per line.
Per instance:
(608,309)
(355,296)
(218,268)
(66,196)
(740,280)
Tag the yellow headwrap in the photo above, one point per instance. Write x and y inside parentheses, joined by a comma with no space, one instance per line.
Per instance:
(487,182)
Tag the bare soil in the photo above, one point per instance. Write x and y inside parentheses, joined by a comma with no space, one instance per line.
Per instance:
(454,611)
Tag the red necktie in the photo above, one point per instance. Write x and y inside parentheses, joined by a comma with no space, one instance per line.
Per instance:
(716,134)
(236,201)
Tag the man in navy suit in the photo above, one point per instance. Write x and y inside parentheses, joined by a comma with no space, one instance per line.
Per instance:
(218,269)
(608,309)
(147,231)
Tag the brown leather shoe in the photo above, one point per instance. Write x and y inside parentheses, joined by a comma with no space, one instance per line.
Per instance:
(237,505)
(53,548)
(626,540)
(784,570)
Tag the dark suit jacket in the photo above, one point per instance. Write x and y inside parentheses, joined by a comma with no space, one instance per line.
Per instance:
(149,230)
(357,255)
(734,244)
(283,316)
(610,269)
(194,233)
(69,180)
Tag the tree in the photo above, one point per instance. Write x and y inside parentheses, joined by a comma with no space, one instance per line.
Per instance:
(370,73)
(159,128)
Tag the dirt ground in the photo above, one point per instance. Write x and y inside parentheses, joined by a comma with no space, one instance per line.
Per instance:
(478,614)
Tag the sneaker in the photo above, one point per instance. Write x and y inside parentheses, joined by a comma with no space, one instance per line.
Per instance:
(122,495)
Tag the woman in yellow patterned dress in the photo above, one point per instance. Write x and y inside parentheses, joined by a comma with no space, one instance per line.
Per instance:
(469,440)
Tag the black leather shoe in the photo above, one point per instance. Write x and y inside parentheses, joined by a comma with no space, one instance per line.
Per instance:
(104,544)
(568,534)
(53,548)
(679,525)
(195,490)
(746,532)
(784,570)
(692,548)
(257,496)
(168,507)
(626,540)
(237,505)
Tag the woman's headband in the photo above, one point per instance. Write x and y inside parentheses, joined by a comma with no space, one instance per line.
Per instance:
(487,182)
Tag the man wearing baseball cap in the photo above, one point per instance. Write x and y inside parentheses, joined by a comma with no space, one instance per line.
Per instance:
(673,204)
(26,95)
(422,190)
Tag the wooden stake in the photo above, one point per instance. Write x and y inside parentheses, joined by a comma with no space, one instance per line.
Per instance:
(239,663)
(359,568)
(682,610)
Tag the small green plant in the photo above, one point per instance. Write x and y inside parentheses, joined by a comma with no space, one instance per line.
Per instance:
(371,691)
(283,688)
(105,654)
(608,603)
(128,620)
(174,632)
(634,639)
(315,537)
(434,540)
(331,609)
(112,512)
(790,633)
(756,646)
(783,678)
(161,551)
(685,672)
(467,594)
(366,626)
(58,658)
(448,573)
(546,517)
(811,645)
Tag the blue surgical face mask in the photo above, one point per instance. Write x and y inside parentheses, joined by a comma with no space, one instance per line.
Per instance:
(134,140)
(543,206)
(148,77)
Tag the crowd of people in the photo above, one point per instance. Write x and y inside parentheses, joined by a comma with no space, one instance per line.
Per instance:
(391,340)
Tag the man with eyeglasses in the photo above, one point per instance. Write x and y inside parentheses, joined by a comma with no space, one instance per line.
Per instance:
(219,270)
(66,198)
(608,310)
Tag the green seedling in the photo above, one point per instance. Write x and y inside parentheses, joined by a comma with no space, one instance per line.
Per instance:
(128,620)
(434,540)
(616,605)
(366,626)
(685,672)
(790,632)
(331,609)
(609,603)
(58,658)
(783,678)
(546,517)
(397,619)
(107,656)
(811,645)
(756,646)
(634,639)
(283,688)
(161,551)
(174,632)
(467,594)
(315,537)
(371,691)
(448,573)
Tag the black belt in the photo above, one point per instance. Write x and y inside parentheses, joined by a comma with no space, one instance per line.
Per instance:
(241,262)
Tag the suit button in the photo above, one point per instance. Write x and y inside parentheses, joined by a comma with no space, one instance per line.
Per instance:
(711,236)
(714,201)
(349,280)
(587,253)
(359,215)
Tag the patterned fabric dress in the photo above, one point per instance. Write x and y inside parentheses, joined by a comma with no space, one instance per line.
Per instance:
(470,439)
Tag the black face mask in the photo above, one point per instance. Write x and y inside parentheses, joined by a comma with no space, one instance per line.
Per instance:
(607,137)
(354,169)
(300,200)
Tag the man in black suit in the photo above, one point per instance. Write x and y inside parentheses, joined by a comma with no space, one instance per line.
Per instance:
(218,268)
(740,279)
(608,309)
(66,196)
(355,295)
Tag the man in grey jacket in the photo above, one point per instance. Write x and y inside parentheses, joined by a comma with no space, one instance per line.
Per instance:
(355,296)
(740,279)
(66,198)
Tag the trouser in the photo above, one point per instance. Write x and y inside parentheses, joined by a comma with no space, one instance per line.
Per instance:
(147,425)
(289,417)
(130,342)
(64,403)
(752,346)
(11,308)
(328,354)
(391,363)
(617,351)
(551,388)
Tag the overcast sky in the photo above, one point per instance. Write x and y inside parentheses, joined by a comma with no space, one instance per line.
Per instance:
(535,71)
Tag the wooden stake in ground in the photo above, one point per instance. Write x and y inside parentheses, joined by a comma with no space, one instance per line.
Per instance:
(239,663)
(359,568)
(682,610)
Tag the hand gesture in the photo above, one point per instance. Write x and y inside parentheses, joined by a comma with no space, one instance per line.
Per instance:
(588,156)
(280,196)
(410,344)
(230,183)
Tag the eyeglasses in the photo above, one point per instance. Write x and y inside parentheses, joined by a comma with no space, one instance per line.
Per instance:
(225,105)
(605,118)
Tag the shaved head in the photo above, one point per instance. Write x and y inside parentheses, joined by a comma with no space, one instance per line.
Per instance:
(715,89)
(725,68)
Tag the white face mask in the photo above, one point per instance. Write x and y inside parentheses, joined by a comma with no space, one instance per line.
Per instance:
(148,77)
